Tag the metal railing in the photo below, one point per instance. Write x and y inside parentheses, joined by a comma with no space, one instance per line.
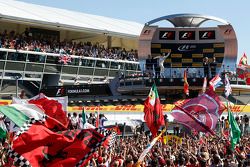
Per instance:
(32,65)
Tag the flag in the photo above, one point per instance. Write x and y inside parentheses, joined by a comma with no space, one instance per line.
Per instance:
(19,115)
(62,100)
(3,129)
(148,148)
(201,113)
(64,59)
(55,107)
(215,82)
(186,85)
(39,146)
(241,69)
(204,87)
(14,114)
(228,89)
(84,118)
(234,129)
(153,114)
(52,108)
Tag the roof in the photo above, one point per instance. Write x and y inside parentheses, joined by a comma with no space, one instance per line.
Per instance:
(43,15)
(187,20)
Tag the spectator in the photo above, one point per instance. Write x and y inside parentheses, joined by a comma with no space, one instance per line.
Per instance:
(246,124)
(74,121)
(213,66)
(206,67)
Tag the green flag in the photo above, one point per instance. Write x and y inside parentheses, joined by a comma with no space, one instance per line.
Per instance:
(15,115)
(3,130)
(234,129)
(84,119)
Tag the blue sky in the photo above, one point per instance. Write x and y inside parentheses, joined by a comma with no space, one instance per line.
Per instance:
(236,12)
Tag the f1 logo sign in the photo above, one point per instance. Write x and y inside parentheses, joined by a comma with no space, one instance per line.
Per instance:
(167,35)
(60,92)
(187,35)
(207,35)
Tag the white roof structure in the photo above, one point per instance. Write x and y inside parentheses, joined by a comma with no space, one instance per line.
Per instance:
(36,14)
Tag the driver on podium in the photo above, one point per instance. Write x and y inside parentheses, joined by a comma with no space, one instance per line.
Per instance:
(161,64)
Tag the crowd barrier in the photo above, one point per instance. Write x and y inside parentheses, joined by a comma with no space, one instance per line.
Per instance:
(133,108)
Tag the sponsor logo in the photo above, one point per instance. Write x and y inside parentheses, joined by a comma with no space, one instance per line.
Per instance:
(187,35)
(169,35)
(69,91)
(207,34)
(60,92)
(186,48)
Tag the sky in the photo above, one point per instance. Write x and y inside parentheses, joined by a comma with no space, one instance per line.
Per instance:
(142,11)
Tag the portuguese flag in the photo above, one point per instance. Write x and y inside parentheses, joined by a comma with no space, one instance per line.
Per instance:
(241,69)
(153,114)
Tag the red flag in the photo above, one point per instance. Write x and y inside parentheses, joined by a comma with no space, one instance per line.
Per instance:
(153,114)
(186,85)
(53,109)
(39,146)
(247,75)
(241,69)
(202,114)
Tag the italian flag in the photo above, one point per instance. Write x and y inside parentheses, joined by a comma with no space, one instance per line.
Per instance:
(18,115)
(153,114)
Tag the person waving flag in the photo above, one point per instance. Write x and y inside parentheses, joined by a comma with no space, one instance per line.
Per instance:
(153,114)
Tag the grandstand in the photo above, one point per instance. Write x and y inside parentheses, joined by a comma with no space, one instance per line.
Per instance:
(100,61)
(44,46)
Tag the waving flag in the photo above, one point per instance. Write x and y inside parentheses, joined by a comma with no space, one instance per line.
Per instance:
(186,85)
(215,83)
(53,109)
(202,110)
(234,129)
(241,69)
(153,114)
(39,146)
(148,148)
(19,115)
(3,129)
(228,89)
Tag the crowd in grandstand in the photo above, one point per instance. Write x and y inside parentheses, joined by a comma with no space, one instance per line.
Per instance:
(26,41)
(193,150)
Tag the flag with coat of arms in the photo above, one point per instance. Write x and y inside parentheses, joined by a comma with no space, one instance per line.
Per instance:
(153,114)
